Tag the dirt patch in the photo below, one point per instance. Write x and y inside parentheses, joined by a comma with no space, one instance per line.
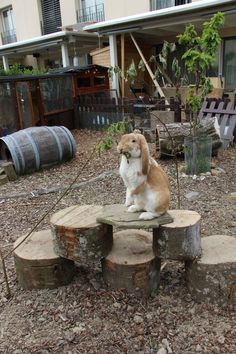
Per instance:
(85,317)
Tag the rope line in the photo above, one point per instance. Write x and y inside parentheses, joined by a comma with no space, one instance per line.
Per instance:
(55,204)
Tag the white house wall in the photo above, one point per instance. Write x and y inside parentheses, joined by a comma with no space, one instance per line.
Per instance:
(115,9)
(68,12)
(26,18)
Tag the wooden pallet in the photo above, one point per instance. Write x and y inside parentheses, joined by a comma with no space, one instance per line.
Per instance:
(226,115)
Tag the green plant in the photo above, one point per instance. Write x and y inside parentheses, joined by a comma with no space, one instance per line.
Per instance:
(111,133)
(17,69)
(199,55)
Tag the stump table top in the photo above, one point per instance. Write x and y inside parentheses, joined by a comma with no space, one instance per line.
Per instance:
(218,249)
(77,217)
(38,248)
(182,218)
(117,215)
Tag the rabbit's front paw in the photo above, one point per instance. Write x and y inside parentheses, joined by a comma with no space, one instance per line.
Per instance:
(133,208)
(128,202)
(148,215)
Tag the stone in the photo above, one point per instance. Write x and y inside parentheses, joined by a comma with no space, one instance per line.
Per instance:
(221,339)
(117,215)
(138,319)
(198,348)
(162,350)
(191,196)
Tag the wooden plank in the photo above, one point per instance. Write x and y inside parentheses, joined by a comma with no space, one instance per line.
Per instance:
(228,135)
(225,113)
(9,171)
(122,64)
(161,93)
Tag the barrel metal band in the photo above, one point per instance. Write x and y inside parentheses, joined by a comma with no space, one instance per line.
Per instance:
(70,139)
(35,149)
(14,154)
(57,141)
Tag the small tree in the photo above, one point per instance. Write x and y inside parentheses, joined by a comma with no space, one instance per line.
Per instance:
(200,54)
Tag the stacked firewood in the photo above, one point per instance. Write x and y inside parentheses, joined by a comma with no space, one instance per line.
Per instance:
(170,137)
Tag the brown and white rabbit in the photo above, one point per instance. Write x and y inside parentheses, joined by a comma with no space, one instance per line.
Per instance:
(147,185)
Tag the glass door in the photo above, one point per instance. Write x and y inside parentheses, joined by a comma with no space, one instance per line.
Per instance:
(25,105)
(229,62)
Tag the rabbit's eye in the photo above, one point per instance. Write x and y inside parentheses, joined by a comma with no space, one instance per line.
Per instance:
(133,141)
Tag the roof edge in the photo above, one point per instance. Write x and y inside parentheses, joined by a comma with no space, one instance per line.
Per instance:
(128,21)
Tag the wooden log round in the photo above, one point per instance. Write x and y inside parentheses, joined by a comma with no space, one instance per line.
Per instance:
(131,264)
(78,236)
(178,132)
(212,279)
(37,265)
(179,240)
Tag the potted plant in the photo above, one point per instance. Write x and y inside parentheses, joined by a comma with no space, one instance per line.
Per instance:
(199,55)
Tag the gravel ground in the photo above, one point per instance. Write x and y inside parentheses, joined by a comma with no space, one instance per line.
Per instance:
(85,316)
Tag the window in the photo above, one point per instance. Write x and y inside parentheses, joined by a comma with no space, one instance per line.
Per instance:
(51,16)
(9,32)
(162,4)
(91,11)
(99,80)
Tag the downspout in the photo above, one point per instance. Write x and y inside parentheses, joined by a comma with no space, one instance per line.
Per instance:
(114,62)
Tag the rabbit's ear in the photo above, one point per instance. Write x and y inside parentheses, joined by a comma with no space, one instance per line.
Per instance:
(144,155)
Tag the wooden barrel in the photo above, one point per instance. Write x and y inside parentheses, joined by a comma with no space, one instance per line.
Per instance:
(35,148)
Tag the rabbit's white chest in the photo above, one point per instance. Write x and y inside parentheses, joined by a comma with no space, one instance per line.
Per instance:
(131,172)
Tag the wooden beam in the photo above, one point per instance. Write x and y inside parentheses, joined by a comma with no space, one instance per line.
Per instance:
(161,93)
(123,64)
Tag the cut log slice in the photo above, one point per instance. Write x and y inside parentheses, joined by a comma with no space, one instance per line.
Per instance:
(78,236)
(131,264)
(212,279)
(179,240)
(37,265)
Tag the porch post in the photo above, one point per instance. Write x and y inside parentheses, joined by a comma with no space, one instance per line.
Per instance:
(5,62)
(114,61)
(65,55)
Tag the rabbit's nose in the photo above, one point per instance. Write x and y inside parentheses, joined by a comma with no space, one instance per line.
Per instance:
(121,150)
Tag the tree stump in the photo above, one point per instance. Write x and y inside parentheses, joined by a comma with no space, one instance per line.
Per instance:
(37,265)
(212,278)
(179,240)
(131,264)
(78,236)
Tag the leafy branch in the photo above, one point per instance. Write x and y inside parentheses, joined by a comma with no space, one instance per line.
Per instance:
(110,137)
